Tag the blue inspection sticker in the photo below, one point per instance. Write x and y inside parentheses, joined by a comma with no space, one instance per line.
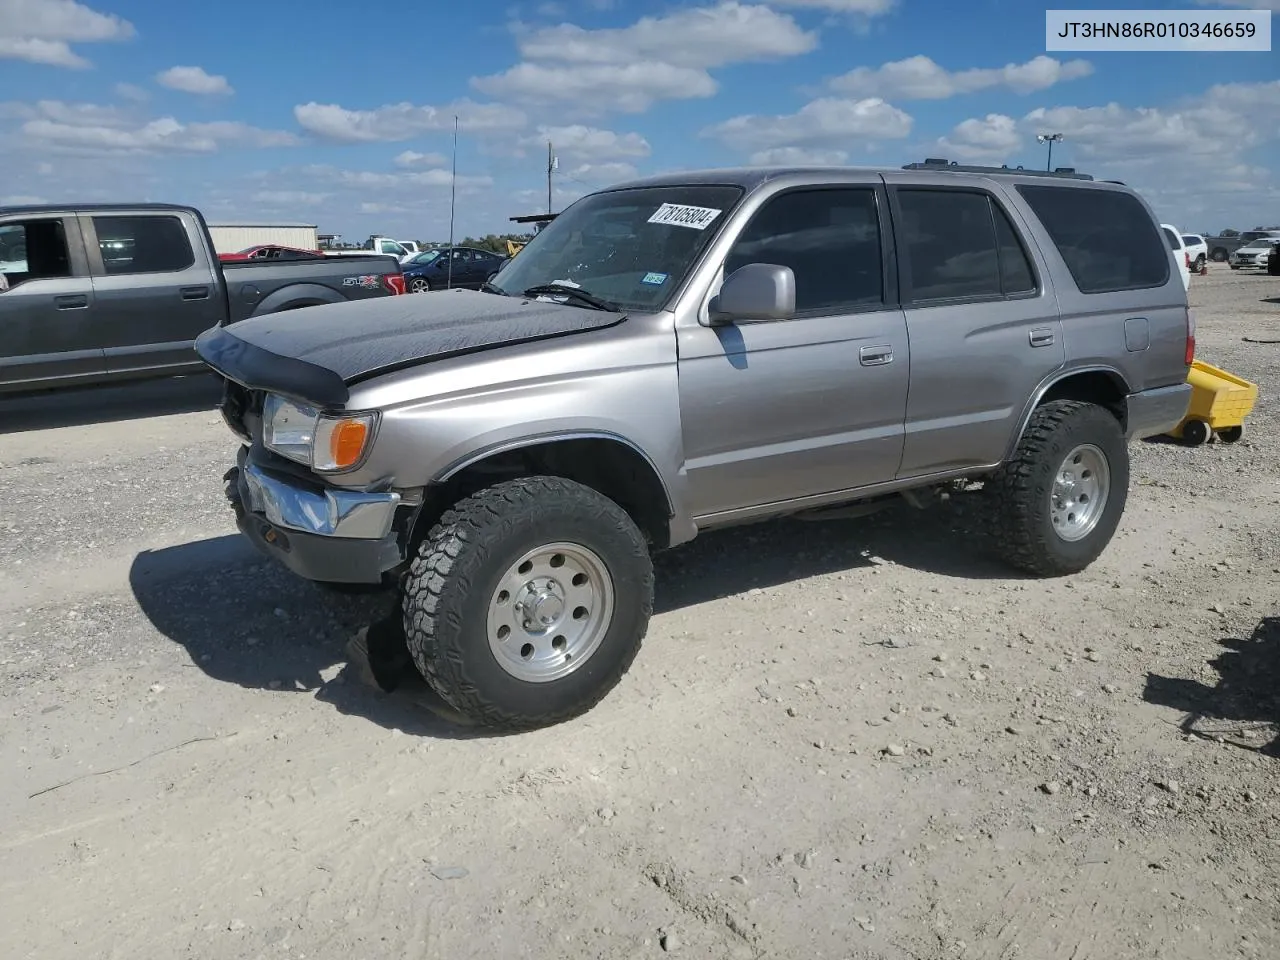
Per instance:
(657,279)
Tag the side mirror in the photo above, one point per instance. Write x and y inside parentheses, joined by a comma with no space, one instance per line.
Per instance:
(755,292)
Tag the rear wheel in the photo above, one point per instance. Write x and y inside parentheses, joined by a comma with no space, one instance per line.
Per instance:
(1199,263)
(419,285)
(528,601)
(1055,505)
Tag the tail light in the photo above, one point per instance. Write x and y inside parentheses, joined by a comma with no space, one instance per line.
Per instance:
(1191,337)
(1187,256)
(394,282)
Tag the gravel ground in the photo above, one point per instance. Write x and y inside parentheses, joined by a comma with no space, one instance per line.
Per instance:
(842,740)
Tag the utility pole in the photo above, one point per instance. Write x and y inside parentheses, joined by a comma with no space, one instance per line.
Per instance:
(553,162)
(1050,139)
(453,196)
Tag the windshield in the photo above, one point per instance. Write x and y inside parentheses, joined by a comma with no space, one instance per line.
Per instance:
(633,247)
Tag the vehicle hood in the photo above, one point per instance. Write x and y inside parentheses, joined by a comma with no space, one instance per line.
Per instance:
(316,353)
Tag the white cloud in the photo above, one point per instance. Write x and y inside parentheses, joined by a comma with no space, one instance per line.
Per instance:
(797,156)
(397,181)
(587,144)
(42,31)
(194,80)
(1212,128)
(89,128)
(411,158)
(1188,158)
(602,174)
(992,139)
(402,121)
(702,37)
(129,91)
(595,88)
(870,8)
(827,123)
(656,58)
(288,198)
(21,199)
(919,78)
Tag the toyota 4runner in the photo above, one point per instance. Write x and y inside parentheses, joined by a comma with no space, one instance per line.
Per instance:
(691,351)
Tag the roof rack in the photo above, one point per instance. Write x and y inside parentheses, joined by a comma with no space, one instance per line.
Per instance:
(939,163)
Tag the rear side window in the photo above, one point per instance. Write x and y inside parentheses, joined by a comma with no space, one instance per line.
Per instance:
(34,250)
(1191,241)
(829,238)
(1106,237)
(960,245)
(1174,243)
(143,245)
(950,242)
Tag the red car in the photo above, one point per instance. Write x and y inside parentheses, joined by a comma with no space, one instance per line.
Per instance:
(271,251)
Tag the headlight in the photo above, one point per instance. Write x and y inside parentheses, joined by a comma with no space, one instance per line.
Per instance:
(322,441)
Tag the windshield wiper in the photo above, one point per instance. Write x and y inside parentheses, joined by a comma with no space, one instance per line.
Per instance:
(590,299)
(488,287)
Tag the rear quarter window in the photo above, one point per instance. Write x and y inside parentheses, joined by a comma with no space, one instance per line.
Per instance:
(1106,237)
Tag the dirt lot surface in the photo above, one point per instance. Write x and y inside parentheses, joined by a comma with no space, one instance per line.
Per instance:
(848,740)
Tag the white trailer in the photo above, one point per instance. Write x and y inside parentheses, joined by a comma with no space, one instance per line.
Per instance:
(234,237)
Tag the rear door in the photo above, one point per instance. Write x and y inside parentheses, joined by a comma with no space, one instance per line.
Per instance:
(154,286)
(47,315)
(983,321)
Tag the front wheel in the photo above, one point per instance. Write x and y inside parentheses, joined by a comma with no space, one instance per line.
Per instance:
(528,601)
(1055,505)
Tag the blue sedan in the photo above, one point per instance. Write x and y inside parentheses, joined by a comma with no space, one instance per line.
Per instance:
(448,267)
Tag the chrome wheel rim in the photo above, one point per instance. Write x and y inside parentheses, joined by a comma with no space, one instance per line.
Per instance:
(419,286)
(1080,492)
(550,612)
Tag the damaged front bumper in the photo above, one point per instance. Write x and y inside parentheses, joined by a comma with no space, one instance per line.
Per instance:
(320,533)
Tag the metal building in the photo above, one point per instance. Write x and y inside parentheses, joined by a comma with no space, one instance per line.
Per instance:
(232,237)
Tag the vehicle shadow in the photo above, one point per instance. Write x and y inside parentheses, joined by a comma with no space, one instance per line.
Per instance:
(1246,700)
(244,619)
(87,405)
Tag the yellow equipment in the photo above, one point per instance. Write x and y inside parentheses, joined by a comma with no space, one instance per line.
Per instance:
(513,248)
(1219,403)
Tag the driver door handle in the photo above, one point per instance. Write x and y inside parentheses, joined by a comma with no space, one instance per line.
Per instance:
(876,356)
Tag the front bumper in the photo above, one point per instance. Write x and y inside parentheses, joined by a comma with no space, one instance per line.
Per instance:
(1153,412)
(322,533)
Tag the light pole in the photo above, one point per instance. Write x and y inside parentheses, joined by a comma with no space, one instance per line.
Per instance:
(1050,139)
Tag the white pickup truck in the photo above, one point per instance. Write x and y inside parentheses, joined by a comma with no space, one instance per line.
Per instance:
(402,250)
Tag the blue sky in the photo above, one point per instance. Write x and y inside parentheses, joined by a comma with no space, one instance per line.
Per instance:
(343,115)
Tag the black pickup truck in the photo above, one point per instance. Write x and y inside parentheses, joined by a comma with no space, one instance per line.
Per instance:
(103,293)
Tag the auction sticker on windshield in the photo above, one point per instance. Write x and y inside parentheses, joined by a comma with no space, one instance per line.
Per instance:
(679,215)
(657,279)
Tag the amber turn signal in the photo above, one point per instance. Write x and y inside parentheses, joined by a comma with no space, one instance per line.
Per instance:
(346,443)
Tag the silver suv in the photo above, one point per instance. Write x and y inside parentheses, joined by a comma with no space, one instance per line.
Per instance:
(691,351)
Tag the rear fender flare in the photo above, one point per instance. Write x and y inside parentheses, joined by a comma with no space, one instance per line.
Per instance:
(1057,377)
